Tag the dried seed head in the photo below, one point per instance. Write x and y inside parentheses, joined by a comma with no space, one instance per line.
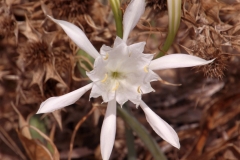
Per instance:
(64,61)
(159,5)
(217,67)
(34,54)
(37,63)
(72,8)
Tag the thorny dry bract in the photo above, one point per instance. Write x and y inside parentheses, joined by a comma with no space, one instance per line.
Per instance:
(38,61)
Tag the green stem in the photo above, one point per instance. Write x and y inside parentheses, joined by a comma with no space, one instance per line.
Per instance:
(142,133)
(117,13)
(174,17)
(130,143)
(129,138)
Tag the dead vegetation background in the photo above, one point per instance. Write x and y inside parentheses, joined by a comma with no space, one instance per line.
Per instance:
(38,60)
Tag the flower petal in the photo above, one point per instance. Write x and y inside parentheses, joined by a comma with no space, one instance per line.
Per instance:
(162,128)
(177,61)
(77,36)
(103,89)
(139,47)
(55,103)
(131,16)
(108,130)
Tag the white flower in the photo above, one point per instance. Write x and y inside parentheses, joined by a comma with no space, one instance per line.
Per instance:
(121,73)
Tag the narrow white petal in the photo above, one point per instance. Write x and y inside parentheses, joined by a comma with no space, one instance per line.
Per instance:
(77,36)
(108,130)
(55,103)
(177,61)
(162,128)
(131,16)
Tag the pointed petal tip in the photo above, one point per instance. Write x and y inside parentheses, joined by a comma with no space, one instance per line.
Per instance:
(39,111)
(162,128)
(77,36)
(46,108)
(176,144)
(55,103)
(178,60)
(210,61)
(42,112)
(108,131)
(132,14)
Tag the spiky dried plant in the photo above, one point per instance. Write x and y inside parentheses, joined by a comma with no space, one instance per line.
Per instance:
(71,8)
(37,58)
(206,35)
(159,5)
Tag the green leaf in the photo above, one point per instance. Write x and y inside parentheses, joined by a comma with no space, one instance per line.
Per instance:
(142,132)
(174,17)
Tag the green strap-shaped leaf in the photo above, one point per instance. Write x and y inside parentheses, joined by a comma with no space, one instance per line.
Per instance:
(142,132)
(174,17)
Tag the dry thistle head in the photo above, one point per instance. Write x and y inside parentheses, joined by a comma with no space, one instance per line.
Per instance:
(218,66)
(71,8)
(159,5)
(205,36)
(39,64)
(37,59)
(34,54)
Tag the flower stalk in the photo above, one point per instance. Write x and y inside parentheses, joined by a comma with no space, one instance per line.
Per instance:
(174,17)
(117,13)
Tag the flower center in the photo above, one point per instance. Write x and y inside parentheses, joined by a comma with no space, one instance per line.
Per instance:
(116,75)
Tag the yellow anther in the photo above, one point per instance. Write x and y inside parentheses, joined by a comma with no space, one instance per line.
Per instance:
(105,78)
(106,56)
(116,87)
(146,69)
(139,90)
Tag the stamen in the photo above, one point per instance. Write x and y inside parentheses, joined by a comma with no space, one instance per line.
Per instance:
(105,78)
(139,90)
(146,69)
(168,83)
(129,54)
(106,56)
(116,87)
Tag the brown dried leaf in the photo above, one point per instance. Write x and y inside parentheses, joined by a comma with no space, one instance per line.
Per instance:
(6,138)
(55,154)
(223,27)
(34,149)
(28,30)
(89,21)
(52,73)
(22,123)
(77,153)
(37,79)
(45,9)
